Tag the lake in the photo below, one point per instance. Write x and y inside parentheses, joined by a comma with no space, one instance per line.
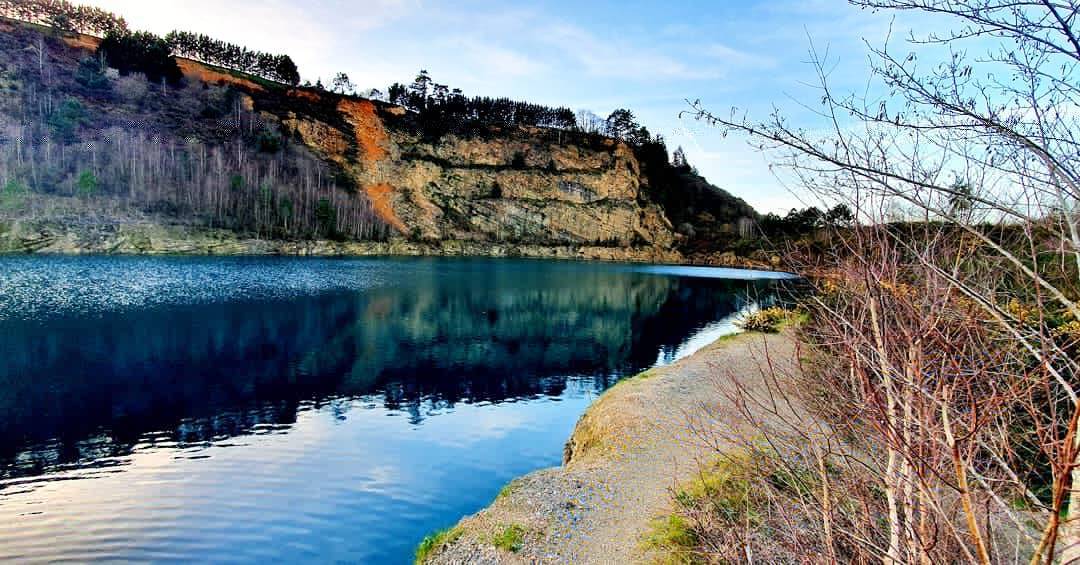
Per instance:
(308,410)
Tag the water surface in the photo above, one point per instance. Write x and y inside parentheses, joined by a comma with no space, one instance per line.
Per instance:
(319,410)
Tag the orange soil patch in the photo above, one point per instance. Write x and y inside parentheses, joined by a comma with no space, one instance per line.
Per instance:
(304,95)
(80,41)
(380,195)
(199,71)
(370,133)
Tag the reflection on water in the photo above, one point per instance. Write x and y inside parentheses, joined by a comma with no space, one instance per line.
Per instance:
(306,409)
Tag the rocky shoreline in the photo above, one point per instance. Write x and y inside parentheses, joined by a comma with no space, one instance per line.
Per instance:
(627,451)
(149,238)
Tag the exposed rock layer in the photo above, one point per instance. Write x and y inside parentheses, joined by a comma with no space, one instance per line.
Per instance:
(525,186)
(154,239)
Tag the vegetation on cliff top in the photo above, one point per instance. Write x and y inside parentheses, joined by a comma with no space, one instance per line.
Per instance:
(146,49)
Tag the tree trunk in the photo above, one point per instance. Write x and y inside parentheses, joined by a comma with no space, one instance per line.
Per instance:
(1070,530)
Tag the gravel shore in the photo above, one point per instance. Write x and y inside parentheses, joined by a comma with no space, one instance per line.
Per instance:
(628,450)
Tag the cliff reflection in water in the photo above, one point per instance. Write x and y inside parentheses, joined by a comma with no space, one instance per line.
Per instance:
(76,390)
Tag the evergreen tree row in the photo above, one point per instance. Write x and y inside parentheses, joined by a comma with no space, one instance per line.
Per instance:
(280,68)
(444,110)
(64,15)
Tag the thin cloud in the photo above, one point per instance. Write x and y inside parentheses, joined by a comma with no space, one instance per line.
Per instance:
(616,59)
(496,60)
(738,58)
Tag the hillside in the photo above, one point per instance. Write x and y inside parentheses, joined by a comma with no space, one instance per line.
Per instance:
(98,159)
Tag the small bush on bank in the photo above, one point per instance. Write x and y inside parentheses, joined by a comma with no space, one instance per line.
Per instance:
(722,495)
(765,321)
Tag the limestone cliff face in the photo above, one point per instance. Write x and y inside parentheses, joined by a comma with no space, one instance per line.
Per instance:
(526,186)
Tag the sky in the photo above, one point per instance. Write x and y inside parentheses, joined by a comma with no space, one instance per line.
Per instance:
(599,55)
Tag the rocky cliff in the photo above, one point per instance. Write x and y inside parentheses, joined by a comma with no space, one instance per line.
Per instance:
(495,191)
(527,185)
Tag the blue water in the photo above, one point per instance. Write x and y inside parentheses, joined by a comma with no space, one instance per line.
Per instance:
(308,410)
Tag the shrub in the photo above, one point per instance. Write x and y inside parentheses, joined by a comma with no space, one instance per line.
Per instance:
(326,217)
(740,498)
(90,75)
(12,194)
(766,321)
(727,487)
(518,162)
(268,142)
(66,119)
(1069,331)
(675,537)
(510,538)
(87,184)
(132,88)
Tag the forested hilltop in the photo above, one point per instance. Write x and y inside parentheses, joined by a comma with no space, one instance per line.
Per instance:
(121,140)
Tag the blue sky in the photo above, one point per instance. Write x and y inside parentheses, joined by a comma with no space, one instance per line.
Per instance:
(648,56)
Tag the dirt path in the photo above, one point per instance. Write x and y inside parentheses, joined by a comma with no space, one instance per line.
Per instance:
(628,450)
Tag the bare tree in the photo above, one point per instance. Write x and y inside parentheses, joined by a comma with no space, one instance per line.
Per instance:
(956,327)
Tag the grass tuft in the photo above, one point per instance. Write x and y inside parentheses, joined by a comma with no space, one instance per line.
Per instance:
(675,539)
(433,543)
(507,490)
(734,492)
(511,538)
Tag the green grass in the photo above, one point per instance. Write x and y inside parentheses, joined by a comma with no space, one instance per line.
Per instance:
(510,538)
(727,486)
(507,490)
(795,319)
(730,489)
(436,541)
(674,538)
(636,378)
